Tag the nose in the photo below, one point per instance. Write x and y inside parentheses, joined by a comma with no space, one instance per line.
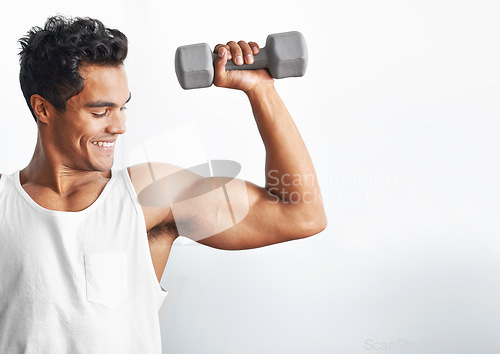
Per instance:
(117,123)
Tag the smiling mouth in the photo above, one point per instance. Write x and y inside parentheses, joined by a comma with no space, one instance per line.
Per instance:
(104,144)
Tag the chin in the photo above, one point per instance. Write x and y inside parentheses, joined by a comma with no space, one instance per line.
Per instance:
(103,167)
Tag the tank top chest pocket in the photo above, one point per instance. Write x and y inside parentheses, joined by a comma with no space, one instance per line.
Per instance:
(106,277)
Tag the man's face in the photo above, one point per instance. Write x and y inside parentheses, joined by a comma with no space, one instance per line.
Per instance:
(84,135)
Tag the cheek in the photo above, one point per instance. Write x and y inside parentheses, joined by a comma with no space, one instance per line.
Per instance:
(64,136)
(71,138)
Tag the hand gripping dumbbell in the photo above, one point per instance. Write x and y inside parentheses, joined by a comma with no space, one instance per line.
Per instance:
(285,55)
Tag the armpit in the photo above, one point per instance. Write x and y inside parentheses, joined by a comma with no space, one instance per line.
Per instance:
(165,229)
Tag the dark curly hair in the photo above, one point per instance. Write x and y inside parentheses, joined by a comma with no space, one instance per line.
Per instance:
(51,56)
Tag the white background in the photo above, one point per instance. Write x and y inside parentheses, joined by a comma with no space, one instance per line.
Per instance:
(400,112)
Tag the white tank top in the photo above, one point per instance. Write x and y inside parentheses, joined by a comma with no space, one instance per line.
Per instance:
(77,282)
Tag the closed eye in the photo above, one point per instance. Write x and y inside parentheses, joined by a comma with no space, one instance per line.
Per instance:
(100,115)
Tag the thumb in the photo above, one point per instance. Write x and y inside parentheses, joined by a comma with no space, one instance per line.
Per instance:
(220,66)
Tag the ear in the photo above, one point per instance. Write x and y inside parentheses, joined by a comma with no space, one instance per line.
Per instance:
(41,108)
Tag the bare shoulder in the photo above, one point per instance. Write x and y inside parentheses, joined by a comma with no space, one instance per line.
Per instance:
(144,174)
(162,178)
(157,186)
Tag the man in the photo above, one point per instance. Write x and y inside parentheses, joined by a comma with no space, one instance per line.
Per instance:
(81,258)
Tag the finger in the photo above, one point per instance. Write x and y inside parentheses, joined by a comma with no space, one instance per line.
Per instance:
(236,52)
(247,52)
(218,46)
(255,47)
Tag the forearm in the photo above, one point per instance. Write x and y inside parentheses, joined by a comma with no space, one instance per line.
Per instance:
(290,173)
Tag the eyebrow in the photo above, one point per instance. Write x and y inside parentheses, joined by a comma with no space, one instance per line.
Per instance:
(105,103)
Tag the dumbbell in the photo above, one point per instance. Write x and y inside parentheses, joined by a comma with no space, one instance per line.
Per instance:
(285,55)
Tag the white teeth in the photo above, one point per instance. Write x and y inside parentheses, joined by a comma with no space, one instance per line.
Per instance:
(103,143)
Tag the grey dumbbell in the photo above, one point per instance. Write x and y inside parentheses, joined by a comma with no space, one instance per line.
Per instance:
(285,55)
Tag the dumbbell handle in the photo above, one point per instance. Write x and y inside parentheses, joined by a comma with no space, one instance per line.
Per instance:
(260,62)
